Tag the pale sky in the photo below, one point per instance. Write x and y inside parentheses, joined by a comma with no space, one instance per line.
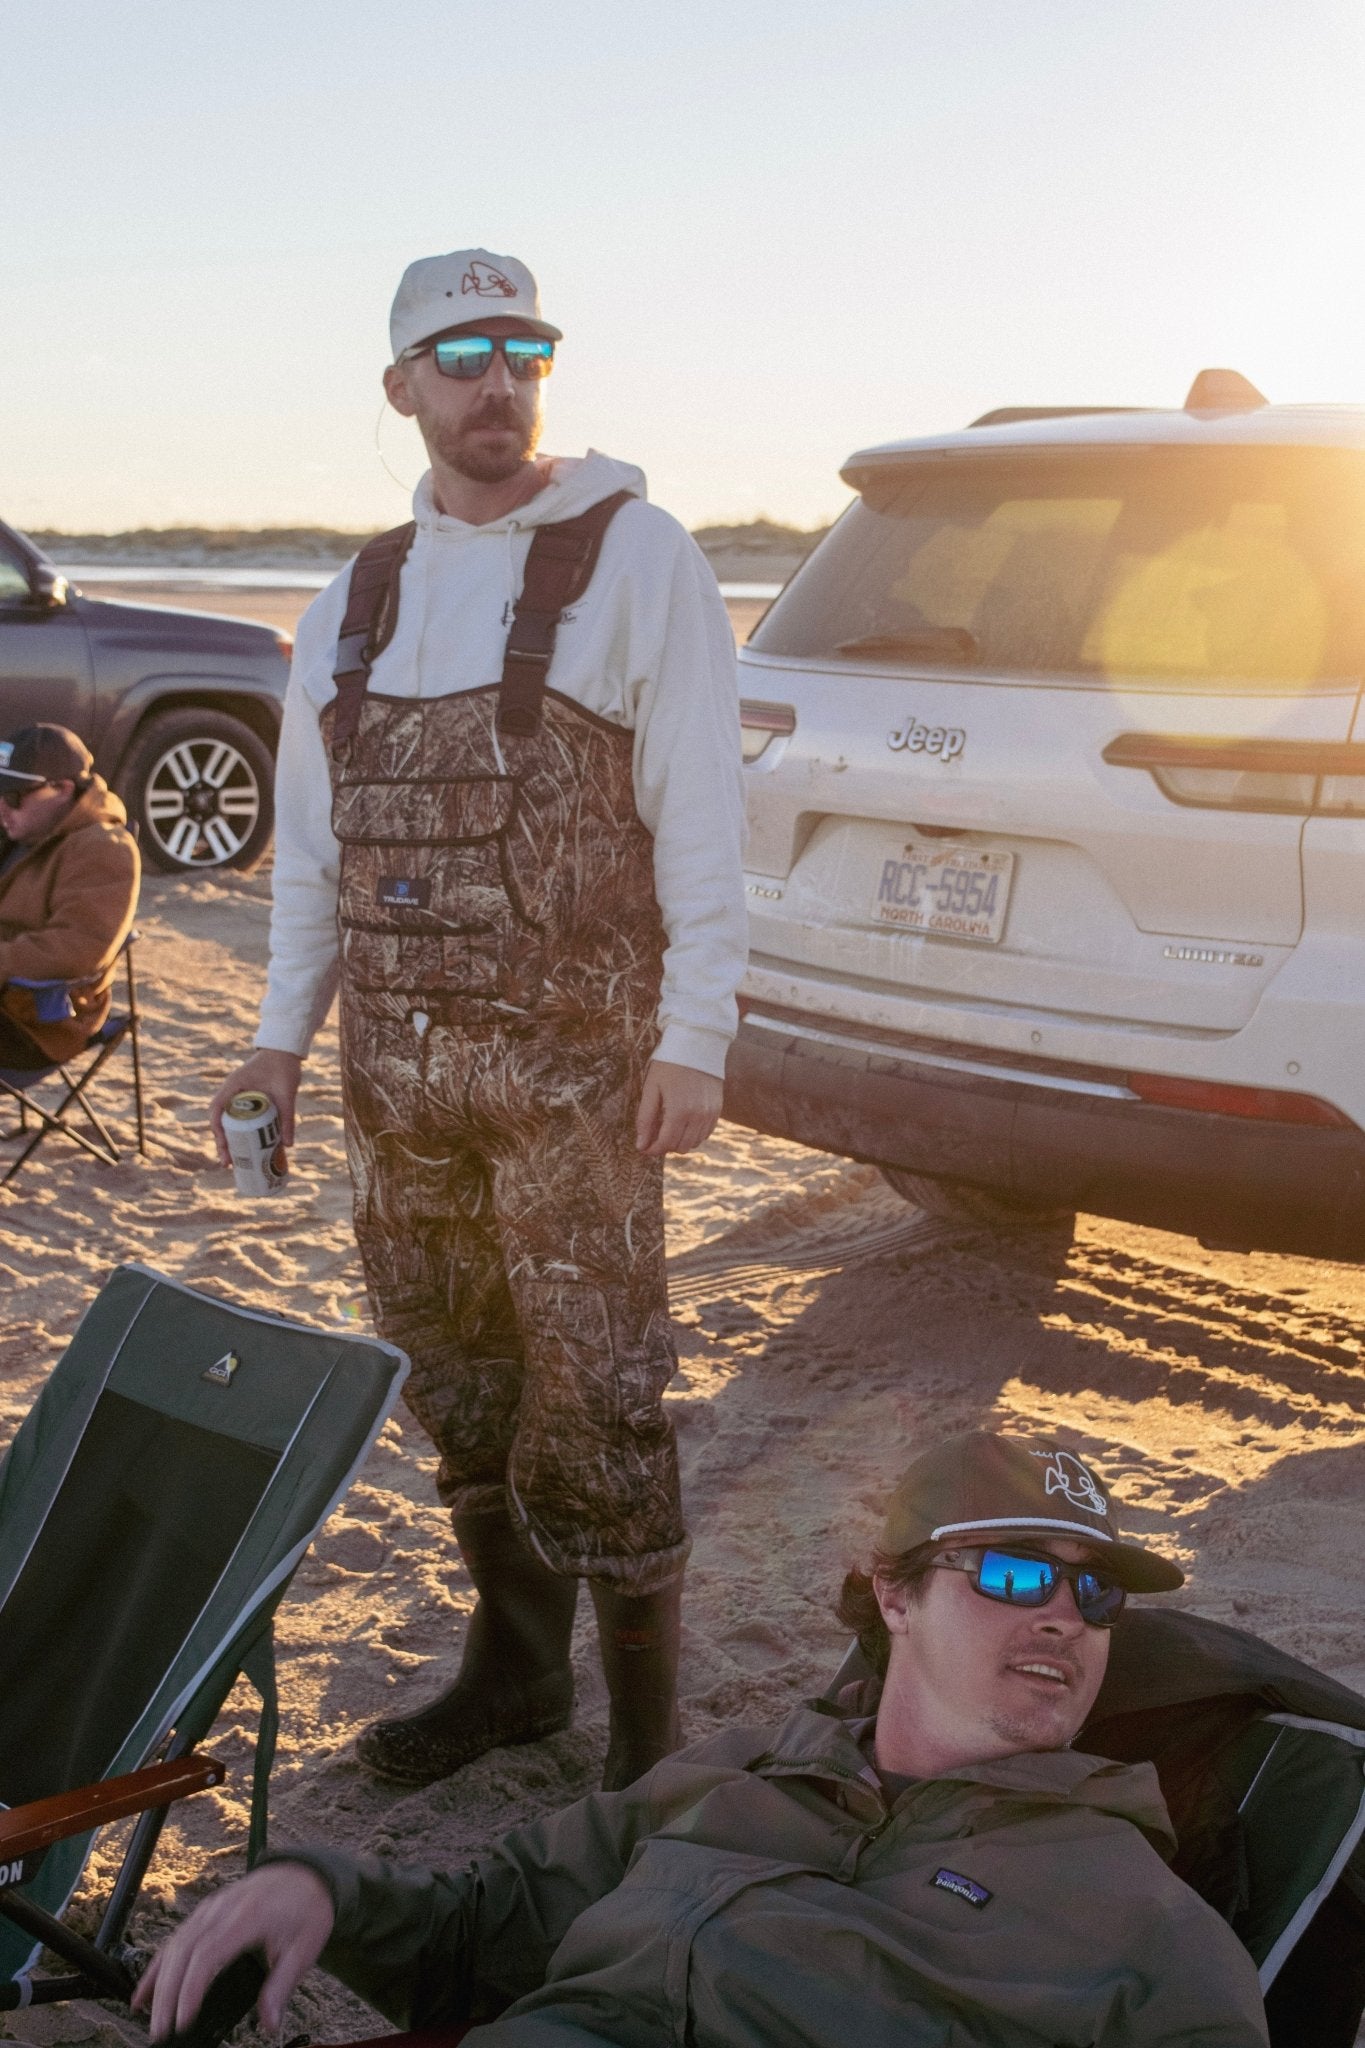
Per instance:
(772,230)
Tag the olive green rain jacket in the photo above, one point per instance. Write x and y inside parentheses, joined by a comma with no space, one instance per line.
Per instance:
(756,1891)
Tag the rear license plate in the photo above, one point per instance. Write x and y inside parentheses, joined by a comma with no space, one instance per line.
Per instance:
(956,892)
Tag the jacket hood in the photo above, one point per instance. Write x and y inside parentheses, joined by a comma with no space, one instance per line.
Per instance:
(816,1740)
(576,481)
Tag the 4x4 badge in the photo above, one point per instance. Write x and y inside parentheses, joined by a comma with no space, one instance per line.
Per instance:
(915,737)
(222,1369)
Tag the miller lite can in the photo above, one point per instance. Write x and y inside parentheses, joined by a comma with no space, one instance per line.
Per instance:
(251,1125)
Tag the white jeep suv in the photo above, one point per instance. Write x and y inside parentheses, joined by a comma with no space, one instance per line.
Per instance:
(1056,767)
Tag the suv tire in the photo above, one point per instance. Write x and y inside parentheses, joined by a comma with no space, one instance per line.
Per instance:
(199,785)
(958,1201)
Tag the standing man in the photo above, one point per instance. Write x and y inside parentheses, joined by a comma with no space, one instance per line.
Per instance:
(511,815)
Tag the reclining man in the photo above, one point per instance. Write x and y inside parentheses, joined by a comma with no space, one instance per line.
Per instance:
(68,890)
(928,1863)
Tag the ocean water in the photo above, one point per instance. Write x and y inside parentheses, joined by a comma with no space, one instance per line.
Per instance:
(201,577)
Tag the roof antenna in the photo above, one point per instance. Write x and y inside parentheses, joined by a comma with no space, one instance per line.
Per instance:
(1223,391)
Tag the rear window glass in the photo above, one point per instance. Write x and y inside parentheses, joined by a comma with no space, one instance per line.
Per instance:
(1198,564)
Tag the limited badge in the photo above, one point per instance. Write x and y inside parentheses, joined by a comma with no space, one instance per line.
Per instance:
(403,892)
(962,1887)
(222,1369)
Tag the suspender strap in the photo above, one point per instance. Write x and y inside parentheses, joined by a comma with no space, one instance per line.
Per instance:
(558,570)
(368,627)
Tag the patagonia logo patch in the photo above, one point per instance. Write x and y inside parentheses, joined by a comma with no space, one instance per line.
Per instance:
(403,892)
(965,1887)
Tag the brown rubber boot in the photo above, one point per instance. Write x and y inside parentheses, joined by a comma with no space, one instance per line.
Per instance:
(515,1682)
(639,1635)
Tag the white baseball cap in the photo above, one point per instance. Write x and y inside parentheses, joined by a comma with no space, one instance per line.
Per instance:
(441,292)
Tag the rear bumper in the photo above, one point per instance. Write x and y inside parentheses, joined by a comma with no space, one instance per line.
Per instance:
(1267,1186)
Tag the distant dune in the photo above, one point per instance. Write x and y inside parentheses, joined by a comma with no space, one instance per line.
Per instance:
(763,551)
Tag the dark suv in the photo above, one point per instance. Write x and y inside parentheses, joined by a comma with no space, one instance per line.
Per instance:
(181,709)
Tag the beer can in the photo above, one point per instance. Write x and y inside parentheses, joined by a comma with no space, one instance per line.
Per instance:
(251,1125)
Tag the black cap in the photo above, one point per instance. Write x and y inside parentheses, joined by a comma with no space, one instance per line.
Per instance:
(1001,1485)
(43,753)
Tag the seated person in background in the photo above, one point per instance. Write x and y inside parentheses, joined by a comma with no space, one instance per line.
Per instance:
(68,890)
(927,1862)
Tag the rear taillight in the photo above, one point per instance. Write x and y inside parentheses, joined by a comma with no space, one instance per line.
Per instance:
(761,723)
(1268,1105)
(1324,777)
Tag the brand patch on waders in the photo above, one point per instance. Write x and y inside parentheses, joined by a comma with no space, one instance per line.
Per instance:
(963,1887)
(403,892)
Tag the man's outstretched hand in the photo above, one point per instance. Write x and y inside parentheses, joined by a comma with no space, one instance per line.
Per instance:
(679,1108)
(275,1074)
(285,1911)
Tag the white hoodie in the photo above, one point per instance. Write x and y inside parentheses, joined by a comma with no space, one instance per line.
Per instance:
(648,647)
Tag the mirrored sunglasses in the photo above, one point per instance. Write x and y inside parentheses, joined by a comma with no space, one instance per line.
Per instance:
(468,355)
(1018,1579)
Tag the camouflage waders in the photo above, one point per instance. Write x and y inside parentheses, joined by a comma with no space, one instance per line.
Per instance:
(501,953)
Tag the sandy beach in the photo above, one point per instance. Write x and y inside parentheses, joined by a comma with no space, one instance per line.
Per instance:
(826,1331)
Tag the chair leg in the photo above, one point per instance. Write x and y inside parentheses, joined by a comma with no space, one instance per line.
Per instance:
(135,1046)
(51,1123)
(75,1092)
(103,1145)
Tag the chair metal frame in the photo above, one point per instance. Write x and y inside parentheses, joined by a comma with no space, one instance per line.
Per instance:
(17,1085)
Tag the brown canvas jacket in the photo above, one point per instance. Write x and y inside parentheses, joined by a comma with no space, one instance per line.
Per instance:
(756,1891)
(66,906)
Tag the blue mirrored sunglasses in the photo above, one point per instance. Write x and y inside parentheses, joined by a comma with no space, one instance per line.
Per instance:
(1020,1579)
(468,355)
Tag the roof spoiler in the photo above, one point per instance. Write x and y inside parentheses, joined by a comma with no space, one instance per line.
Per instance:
(1224,391)
(1211,391)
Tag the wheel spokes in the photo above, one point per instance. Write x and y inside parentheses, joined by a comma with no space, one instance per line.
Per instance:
(180,844)
(202,766)
(221,838)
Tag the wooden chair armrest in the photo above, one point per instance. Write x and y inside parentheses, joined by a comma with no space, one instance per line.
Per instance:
(42,1821)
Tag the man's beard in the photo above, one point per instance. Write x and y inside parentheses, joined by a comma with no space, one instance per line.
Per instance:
(485,464)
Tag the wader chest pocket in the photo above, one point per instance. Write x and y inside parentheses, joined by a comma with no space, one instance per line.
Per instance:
(425,858)
(424,904)
(429,813)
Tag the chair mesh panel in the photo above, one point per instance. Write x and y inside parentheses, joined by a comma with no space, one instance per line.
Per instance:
(144,1523)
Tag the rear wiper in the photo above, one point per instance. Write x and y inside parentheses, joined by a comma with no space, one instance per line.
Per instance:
(948,643)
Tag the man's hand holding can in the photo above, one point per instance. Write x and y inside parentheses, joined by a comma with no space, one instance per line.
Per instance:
(267,1072)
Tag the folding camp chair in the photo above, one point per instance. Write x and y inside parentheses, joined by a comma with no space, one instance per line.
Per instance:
(52,1004)
(1262,1765)
(153,1508)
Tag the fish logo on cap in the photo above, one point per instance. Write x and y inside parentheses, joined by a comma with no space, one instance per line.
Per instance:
(487,282)
(1067,1475)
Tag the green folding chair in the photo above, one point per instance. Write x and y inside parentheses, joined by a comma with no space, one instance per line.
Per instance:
(153,1508)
